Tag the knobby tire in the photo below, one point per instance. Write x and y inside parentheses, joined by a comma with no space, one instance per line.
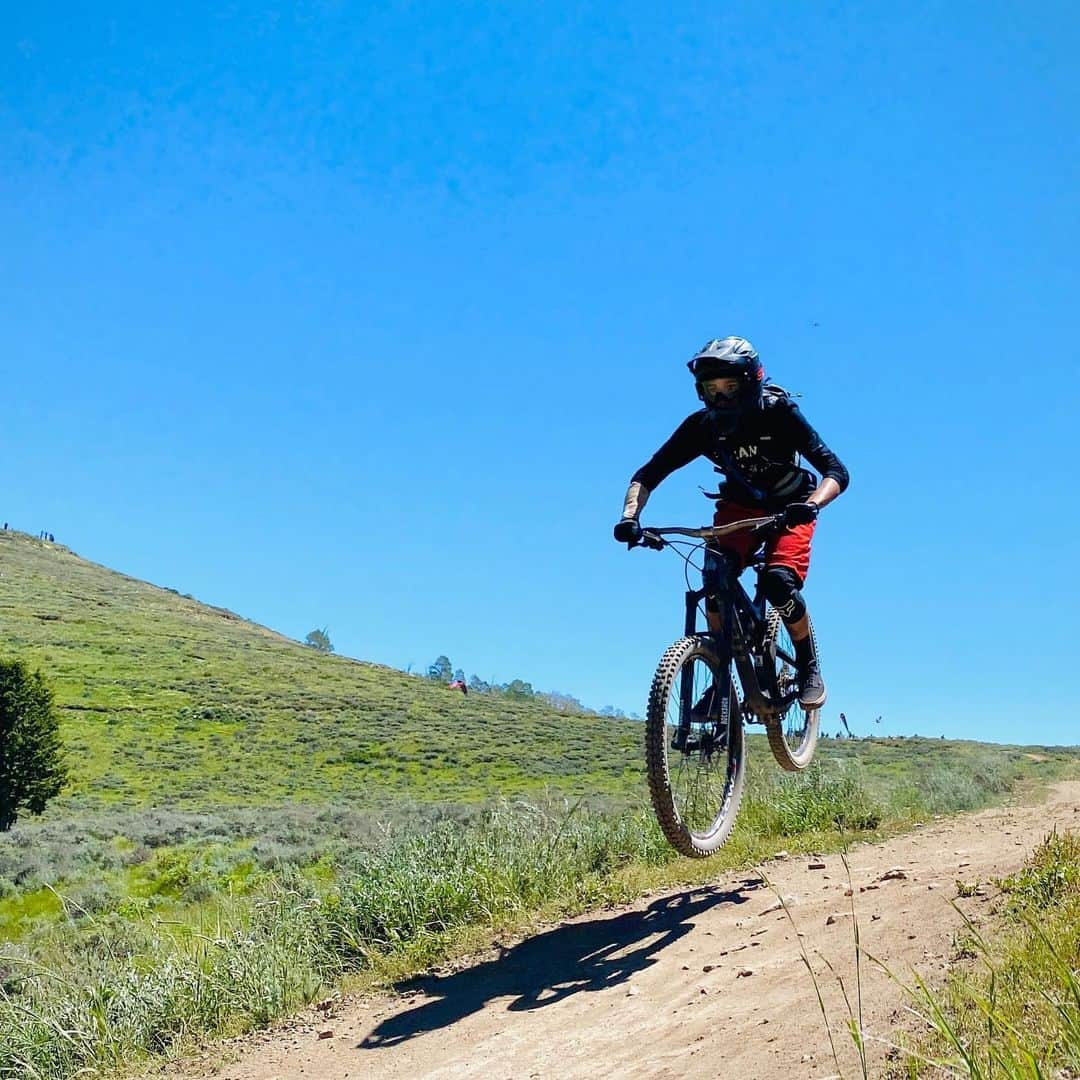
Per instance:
(793,746)
(690,841)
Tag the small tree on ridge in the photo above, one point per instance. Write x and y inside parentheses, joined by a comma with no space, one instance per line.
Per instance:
(320,640)
(441,669)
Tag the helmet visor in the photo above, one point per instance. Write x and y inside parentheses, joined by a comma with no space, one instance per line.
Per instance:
(712,367)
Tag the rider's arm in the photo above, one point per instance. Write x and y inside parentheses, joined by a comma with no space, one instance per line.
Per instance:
(637,495)
(683,446)
(825,492)
(834,476)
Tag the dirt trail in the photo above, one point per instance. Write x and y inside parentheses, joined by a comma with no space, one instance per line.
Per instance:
(696,983)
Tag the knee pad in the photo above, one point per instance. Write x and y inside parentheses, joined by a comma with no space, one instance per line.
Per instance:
(721,568)
(781,586)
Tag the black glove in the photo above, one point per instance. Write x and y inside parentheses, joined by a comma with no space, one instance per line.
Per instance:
(628,531)
(800,513)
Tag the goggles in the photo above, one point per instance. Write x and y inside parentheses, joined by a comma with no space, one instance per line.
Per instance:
(720,389)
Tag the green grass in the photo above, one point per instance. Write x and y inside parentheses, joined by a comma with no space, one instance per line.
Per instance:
(1013,1011)
(110,984)
(169,702)
(201,941)
(166,701)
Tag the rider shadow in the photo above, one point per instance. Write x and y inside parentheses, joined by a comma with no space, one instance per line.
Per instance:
(542,970)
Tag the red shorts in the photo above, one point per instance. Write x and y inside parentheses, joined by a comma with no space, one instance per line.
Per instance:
(791,548)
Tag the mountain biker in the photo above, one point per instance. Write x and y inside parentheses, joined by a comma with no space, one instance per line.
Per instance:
(754,434)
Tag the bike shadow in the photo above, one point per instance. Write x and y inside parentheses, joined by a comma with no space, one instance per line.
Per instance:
(586,956)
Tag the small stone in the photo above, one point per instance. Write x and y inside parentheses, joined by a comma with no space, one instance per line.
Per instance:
(709,967)
(702,989)
(874,917)
(631,991)
(895,873)
(744,973)
(327,1034)
(816,866)
(790,900)
(837,916)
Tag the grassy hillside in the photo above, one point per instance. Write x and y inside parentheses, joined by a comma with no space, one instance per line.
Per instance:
(170,702)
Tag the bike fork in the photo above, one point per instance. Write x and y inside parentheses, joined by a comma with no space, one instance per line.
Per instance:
(720,705)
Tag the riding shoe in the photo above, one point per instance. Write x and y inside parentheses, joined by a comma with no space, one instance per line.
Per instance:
(811,686)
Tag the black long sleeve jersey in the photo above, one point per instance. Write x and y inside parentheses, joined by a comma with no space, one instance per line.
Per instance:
(759,458)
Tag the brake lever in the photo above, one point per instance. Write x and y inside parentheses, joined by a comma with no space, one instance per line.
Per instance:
(776,521)
(651,540)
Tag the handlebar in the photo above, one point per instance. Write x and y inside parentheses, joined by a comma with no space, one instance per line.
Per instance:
(653,537)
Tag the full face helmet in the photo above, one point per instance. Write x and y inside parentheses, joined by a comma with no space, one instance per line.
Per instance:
(735,361)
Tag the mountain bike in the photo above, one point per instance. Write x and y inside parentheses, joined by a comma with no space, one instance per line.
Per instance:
(695,749)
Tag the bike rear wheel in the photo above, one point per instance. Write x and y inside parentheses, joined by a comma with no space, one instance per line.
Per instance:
(793,734)
(695,769)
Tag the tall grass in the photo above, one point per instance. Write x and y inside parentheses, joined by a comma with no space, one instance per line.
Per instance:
(1016,1016)
(103,987)
(100,991)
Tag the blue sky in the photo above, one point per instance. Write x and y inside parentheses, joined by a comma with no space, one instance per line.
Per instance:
(362,317)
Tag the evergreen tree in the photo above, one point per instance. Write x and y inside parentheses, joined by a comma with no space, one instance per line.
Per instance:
(441,670)
(32,769)
(320,640)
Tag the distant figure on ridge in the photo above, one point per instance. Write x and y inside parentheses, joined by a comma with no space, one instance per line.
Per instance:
(457,684)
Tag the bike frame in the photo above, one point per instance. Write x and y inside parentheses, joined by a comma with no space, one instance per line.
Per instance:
(744,637)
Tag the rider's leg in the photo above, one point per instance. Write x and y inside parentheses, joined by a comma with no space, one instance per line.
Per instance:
(724,564)
(782,586)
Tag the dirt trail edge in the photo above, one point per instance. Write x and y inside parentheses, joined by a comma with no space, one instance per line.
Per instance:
(696,983)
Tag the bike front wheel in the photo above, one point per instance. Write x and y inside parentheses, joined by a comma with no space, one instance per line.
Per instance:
(793,734)
(694,756)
